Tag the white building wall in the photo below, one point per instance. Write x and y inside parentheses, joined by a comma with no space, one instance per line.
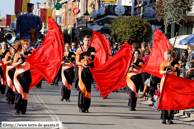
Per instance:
(126,2)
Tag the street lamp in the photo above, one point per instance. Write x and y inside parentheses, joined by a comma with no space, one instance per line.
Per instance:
(86,14)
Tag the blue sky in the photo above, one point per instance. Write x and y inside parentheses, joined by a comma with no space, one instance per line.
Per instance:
(7,6)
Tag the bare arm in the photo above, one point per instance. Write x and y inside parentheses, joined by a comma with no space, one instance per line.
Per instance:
(7,62)
(17,63)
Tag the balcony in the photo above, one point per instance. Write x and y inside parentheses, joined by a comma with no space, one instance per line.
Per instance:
(81,22)
(149,12)
(107,13)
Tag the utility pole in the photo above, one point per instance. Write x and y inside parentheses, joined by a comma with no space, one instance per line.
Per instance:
(119,2)
(132,9)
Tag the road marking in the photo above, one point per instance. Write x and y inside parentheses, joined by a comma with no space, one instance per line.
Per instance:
(53,116)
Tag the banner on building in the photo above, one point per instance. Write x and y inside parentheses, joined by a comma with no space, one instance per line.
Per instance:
(109,0)
(45,13)
(9,19)
(21,5)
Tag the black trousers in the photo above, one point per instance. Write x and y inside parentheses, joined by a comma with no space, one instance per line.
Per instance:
(56,80)
(132,99)
(65,93)
(83,102)
(20,104)
(2,88)
(10,94)
(167,114)
(144,77)
(76,76)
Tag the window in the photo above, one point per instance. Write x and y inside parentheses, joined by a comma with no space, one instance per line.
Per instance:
(69,16)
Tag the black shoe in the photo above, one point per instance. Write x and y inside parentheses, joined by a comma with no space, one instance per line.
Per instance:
(62,99)
(151,104)
(132,109)
(117,91)
(67,100)
(17,112)
(83,110)
(170,122)
(163,121)
(23,113)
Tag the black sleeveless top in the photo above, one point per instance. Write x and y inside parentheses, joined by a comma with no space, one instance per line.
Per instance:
(88,53)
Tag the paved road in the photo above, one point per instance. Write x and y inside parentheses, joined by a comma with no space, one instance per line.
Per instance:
(44,105)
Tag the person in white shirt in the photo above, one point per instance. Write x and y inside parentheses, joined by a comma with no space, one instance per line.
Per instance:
(13,23)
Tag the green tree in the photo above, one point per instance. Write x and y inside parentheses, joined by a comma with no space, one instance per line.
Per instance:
(171,11)
(130,29)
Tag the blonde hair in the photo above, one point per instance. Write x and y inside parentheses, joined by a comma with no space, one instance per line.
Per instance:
(24,41)
(169,52)
(18,46)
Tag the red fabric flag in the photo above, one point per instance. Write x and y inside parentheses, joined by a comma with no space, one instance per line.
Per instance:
(177,93)
(113,74)
(156,57)
(47,59)
(43,13)
(18,5)
(102,47)
(36,77)
(4,73)
(8,20)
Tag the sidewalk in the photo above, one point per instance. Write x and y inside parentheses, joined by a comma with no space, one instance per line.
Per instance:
(187,115)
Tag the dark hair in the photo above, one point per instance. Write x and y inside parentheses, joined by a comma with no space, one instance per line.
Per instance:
(17,11)
(136,51)
(135,45)
(151,45)
(86,36)
(191,64)
(186,52)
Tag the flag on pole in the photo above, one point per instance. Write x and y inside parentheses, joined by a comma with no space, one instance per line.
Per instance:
(156,57)
(21,5)
(46,61)
(112,75)
(9,19)
(103,48)
(45,13)
(177,93)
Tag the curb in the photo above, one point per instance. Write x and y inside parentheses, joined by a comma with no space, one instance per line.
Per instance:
(189,113)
